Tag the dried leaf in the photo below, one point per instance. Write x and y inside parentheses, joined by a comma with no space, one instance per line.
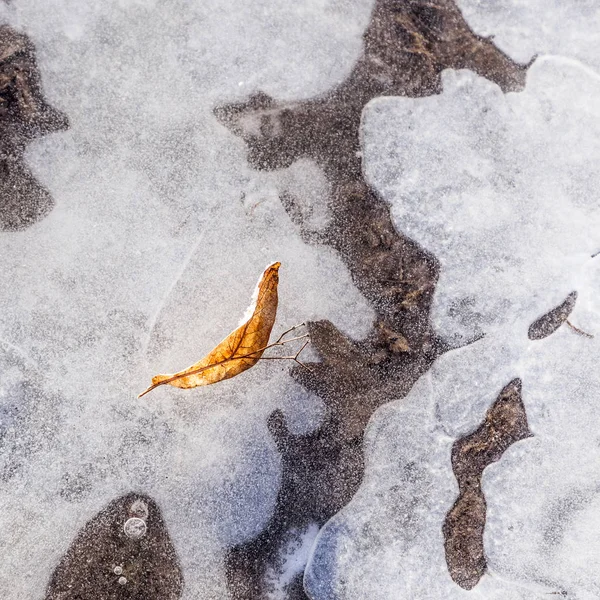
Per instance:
(241,349)
(547,324)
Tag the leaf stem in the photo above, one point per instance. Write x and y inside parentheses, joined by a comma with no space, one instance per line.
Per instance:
(579,331)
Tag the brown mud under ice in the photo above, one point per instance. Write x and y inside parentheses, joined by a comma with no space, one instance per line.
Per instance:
(24,116)
(407,45)
(505,423)
(104,563)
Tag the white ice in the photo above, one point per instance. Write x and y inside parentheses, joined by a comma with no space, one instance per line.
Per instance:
(542,495)
(500,188)
(160,231)
(526,28)
(503,190)
(148,259)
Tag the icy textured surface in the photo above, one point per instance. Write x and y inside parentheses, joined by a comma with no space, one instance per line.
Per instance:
(159,234)
(524,28)
(542,529)
(502,189)
(388,542)
(542,495)
(161,229)
(550,537)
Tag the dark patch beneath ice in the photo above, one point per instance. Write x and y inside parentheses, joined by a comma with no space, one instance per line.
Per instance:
(24,116)
(124,552)
(505,423)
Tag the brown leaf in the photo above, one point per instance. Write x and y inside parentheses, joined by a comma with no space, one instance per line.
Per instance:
(241,349)
(547,324)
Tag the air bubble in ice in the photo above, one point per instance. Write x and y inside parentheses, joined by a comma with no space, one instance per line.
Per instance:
(135,528)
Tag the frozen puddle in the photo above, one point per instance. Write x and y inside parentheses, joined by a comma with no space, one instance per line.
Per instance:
(159,230)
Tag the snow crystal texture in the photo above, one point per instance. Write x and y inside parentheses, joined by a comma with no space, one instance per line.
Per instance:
(527,28)
(160,231)
(159,234)
(502,189)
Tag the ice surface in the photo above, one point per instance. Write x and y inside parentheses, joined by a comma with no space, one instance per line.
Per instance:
(160,231)
(542,496)
(159,234)
(502,189)
(524,28)
(388,542)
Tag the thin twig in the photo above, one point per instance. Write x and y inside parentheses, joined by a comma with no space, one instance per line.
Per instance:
(294,339)
(306,343)
(294,358)
(289,331)
(240,357)
(579,331)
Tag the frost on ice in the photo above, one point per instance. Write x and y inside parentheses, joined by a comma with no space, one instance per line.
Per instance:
(157,221)
(502,189)
(524,28)
(543,496)
(154,202)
